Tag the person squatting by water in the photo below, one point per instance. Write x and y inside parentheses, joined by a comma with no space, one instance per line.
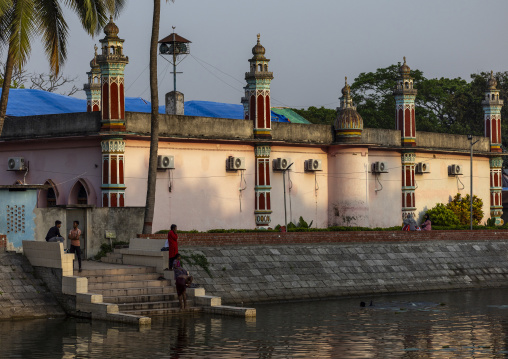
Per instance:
(182,282)
(177,267)
(74,236)
(54,233)
(173,245)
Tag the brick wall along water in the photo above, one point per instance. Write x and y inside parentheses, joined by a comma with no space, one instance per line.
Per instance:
(323,267)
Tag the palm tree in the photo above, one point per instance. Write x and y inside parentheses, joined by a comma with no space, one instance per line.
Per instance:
(22,20)
(154,126)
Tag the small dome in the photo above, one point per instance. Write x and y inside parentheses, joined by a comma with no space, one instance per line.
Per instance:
(258,50)
(346,89)
(404,69)
(492,83)
(348,125)
(111,30)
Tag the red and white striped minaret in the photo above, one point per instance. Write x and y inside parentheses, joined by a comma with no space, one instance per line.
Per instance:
(93,86)
(113,181)
(405,122)
(257,109)
(492,113)
(405,96)
(112,62)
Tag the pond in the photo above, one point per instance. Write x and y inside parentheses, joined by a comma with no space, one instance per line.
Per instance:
(459,324)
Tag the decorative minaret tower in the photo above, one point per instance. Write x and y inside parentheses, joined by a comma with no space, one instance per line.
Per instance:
(349,124)
(492,114)
(405,96)
(405,122)
(93,87)
(257,92)
(112,63)
(257,109)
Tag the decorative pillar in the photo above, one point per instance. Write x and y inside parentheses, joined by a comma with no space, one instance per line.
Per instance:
(112,63)
(93,87)
(263,206)
(408,160)
(405,96)
(492,115)
(257,109)
(113,182)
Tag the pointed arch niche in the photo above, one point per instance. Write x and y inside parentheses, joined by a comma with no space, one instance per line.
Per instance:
(48,197)
(82,193)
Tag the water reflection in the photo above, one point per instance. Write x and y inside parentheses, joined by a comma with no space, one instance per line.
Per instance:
(436,325)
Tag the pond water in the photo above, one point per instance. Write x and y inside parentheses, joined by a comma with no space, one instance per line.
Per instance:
(466,324)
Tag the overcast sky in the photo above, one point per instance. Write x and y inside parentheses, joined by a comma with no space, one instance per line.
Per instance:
(312,45)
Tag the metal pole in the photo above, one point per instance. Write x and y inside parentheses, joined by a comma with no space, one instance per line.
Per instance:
(285,213)
(174,69)
(471,188)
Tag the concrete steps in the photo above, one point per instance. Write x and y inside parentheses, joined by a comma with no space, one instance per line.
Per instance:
(162,312)
(135,290)
(126,284)
(114,258)
(123,299)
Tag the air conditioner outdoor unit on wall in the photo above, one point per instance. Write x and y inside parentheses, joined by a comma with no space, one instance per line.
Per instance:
(423,167)
(281,164)
(313,165)
(454,170)
(379,167)
(235,163)
(16,164)
(165,162)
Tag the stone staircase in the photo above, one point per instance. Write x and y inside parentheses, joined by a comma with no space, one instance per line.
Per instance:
(136,290)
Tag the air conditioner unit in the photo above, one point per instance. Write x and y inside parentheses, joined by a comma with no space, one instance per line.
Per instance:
(165,162)
(454,170)
(16,164)
(281,164)
(423,167)
(379,167)
(235,163)
(313,165)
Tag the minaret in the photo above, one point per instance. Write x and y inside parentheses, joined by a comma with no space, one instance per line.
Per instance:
(348,125)
(405,96)
(257,92)
(405,122)
(112,63)
(257,109)
(492,115)
(93,87)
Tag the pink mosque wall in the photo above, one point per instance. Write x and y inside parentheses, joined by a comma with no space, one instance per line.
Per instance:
(63,161)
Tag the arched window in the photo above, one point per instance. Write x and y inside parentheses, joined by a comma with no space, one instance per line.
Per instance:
(260,67)
(266,67)
(78,194)
(50,198)
(407,84)
(493,97)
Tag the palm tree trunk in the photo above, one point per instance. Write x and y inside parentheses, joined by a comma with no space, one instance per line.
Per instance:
(154,139)
(5,88)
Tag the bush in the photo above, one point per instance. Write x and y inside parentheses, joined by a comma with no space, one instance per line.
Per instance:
(461,207)
(442,216)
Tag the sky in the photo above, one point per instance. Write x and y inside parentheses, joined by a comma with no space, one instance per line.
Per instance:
(312,45)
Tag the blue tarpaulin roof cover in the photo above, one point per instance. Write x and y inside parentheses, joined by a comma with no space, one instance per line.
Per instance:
(28,102)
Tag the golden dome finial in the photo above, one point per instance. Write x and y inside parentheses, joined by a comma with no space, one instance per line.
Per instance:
(259,35)
(404,59)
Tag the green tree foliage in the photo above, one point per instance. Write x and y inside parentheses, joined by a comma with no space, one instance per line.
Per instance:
(321,116)
(460,206)
(442,216)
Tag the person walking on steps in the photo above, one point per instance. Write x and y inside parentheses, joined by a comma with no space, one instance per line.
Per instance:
(173,245)
(74,236)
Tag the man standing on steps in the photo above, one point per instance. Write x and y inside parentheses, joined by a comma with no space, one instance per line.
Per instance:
(182,282)
(74,235)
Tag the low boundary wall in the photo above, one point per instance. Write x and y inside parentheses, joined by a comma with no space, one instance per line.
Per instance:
(257,267)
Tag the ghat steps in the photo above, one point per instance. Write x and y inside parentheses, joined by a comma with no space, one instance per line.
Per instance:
(136,290)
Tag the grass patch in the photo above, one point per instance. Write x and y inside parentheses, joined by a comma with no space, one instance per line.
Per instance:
(198,260)
(107,248)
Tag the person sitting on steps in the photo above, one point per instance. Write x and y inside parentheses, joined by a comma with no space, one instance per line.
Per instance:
(54,233)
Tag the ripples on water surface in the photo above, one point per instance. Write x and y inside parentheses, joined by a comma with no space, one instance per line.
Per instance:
(469,324)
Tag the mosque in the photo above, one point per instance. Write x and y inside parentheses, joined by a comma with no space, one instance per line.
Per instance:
(252,172)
